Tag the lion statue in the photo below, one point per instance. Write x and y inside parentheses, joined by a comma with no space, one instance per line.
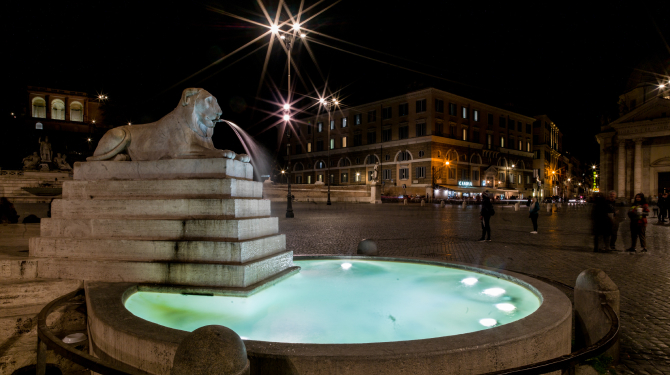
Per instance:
(185,133)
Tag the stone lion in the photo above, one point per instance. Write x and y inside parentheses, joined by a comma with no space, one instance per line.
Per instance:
(185,133)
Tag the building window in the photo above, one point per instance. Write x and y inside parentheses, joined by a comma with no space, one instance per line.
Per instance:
(298,149)
(403,132)
(358,139)
(57,109)
(404,156)
(528,128)
(357,119)
(320,165)
(464,174)
(309,146)
(439,106)
(520,180)
(439,154)
(527,145)
(358,161)
(332,124)
(520,145)
(309,179)
(452,109)
(502,141)
(298,179)
(357,177)
(332,179)
(464,112)
(387,113)
(465,134)
(519,126)
(372,136)
(76,112)
(319,127)
(371,159)
(452,130)
(387,174)
(344,142)
(421,153)
(386,135)
(372,116)
(319,146)
(344,122)
(503,122)
(345,162)
(403,174)
(438,128)
(528,180)
(511,177)
(475,175)
(39,126)
(421,106)
(388,157)
(421,129)
(39,108)
(420,172)
(333,163)
(452,174)
(475,136)
(332,143)
(511,124)
(489,141)
(511,143)
(403,109)
(490,119)
(475,115)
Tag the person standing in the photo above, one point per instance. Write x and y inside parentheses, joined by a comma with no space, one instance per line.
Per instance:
(638,222)
(617,216)
(534,208)
(485,216)
(663,208)
(602,222)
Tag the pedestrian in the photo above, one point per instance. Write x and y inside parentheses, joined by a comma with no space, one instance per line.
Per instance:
(534,208)
(618,216)
(7,212)
(485,216)
(638,222)
(601,222)
(663,202)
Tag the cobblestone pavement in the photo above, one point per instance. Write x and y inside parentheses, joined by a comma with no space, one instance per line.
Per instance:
(560,251)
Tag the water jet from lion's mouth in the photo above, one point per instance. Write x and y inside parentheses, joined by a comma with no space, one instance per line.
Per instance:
(260,157)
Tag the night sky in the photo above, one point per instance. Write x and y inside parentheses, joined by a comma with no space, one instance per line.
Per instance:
(569,60)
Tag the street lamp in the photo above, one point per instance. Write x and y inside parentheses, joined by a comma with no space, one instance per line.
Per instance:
(289,203)
(328,106)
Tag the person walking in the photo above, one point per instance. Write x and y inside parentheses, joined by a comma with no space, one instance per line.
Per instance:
(602,222)
(638,222)
(534,208)
(663,202)
(485,216)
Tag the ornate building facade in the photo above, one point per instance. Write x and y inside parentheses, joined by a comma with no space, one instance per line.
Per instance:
(635,148)
(426,142)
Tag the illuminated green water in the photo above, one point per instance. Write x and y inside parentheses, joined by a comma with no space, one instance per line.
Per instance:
(372,301)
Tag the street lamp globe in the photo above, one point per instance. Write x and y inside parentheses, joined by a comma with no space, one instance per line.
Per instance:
(296,26)
(287,117)
(287,107)
(274,29)
(322,101)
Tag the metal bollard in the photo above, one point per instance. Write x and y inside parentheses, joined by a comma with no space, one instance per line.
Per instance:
(516,206)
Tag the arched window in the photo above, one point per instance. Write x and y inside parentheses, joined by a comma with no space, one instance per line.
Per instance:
(463,157)
(57,109)
(404,156)
(298,167)
(76,112)
(476,159)
(39,108)
(521,165)
(502,162)
(452,156)
(320,164)
(345,162)
(371,159)
(439,153)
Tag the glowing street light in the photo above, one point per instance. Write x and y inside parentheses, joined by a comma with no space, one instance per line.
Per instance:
(446,163)
(93,121)
(662,85)
(594,167)
(89,139)
(287,117)
(296,26)
(283,171)
(287,107)
(302,35)
(274,29)
(129,124)
(322,101)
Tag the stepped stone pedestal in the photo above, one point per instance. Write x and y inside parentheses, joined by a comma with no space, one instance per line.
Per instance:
(195,224)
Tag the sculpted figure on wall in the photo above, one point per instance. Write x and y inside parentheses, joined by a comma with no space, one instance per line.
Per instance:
(375,172)
(31,161)
(45,150)
(184,133)
(60,162)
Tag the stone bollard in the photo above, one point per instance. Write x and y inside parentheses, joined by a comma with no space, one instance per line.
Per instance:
(404,201)
(464,204)
(516,206)
(211,350)
(423,202)
(442,204)
(367,247)
(594,288)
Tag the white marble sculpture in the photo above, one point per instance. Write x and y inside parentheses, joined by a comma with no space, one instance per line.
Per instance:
(31,161)
(60,162)
(185,133)
(375,172)
(45,150)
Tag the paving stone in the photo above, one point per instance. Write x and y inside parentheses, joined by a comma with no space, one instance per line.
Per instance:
(560,251)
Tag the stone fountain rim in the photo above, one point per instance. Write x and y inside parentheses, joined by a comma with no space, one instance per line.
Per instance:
(106,304)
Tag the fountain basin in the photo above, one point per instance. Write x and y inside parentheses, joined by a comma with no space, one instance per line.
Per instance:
(543,332)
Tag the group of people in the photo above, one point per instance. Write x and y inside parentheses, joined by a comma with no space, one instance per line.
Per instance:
(606,218)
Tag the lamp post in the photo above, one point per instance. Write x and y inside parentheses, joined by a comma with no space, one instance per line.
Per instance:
(328,106)
(289,203)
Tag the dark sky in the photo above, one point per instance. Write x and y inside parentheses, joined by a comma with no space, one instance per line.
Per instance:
(569,60)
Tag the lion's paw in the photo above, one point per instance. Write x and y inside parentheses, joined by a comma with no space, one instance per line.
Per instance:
(244,158)
(228,154)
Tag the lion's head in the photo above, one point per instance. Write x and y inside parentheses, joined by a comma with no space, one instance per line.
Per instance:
(205,110)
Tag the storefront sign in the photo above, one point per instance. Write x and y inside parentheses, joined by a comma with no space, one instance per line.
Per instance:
(464,183)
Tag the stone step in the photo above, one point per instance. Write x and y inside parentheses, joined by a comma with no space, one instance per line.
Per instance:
(190,274)
(175,230)
(15,293)
(18,268)
(179,251)
(163,189)
(172,169)
(183,209)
